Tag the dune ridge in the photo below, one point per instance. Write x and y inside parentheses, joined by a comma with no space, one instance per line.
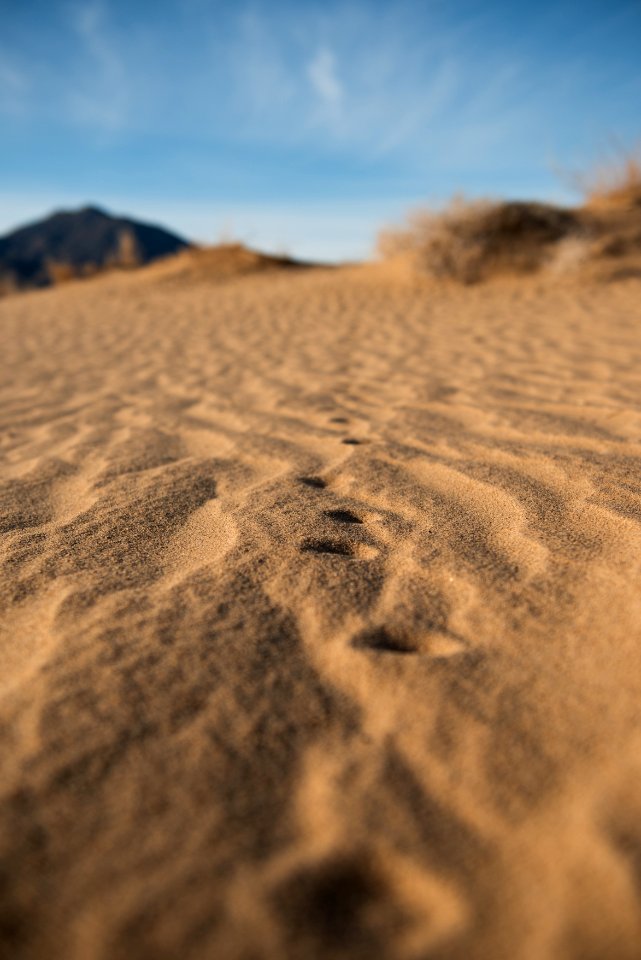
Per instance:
(320,631)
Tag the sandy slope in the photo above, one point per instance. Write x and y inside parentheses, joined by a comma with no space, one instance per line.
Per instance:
(321,631)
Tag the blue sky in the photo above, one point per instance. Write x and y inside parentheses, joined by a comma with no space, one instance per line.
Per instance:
(305,125)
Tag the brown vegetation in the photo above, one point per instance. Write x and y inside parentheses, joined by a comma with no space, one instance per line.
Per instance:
(470,240)
(60,272)
(473,240)
(616,182)
(127,253)
(8,283)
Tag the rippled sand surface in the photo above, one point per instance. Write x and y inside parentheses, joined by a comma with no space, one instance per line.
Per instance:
(321,620)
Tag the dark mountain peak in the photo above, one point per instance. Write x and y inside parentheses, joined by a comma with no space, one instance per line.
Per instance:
(79,215)
(76,242)
(92,211)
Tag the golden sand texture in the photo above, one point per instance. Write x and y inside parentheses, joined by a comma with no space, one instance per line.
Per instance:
(321,620)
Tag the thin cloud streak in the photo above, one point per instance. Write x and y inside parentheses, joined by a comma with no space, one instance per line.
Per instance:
(324,80)
(402,86)
(336,80)
(102,101)
(14,87)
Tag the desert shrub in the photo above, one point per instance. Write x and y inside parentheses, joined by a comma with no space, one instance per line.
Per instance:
(8,283)
(439,243)
(571,254)
(127,253)
(58,272)
(471,240)
(615,181)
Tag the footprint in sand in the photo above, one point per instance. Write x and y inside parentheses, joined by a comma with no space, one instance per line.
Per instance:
(340,548)
(316,482)
(343,516)
(437,645)
(335,546)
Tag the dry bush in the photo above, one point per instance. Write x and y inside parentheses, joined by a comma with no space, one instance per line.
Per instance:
(89,269)
(127,254)
(8,283)
(469,241)
(613,182)
(60,272)
(571,254)
(440,243)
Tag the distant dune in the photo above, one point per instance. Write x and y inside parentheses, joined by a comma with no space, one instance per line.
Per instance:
(320,631)
(221,262)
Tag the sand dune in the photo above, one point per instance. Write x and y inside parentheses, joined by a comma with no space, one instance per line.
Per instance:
(321,620)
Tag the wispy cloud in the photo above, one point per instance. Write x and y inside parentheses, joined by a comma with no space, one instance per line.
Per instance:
(14,86)
(258,71)
(102,101)
(337,78)
(325,77)
(12,80)
(420,113)
(322,73)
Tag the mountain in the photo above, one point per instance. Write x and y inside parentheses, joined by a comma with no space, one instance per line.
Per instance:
(79,242)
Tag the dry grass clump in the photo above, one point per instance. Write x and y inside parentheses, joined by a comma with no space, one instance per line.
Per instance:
(571,254)
(8,283)
(59,272)
(469,241)
(125,257)
(616,182)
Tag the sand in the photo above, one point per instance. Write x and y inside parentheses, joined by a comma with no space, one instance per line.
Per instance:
(321,619)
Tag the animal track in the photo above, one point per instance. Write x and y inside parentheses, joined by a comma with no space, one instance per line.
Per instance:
(329,546)
(316,482)
(382,639)
(335,903)
(353,441)
(339,420)
(438,646)
(343,516)
(340,548)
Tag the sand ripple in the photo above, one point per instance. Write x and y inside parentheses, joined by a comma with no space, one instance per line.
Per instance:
(320,631)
